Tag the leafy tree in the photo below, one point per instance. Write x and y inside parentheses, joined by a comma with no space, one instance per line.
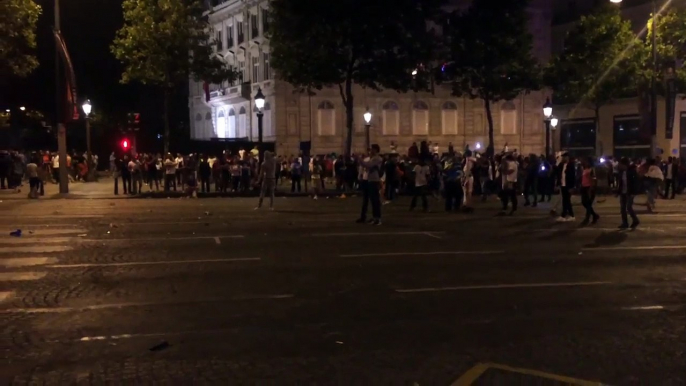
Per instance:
(491,54)
(18,36)
(599,62)
(163,42)
(671,47)
(375,44)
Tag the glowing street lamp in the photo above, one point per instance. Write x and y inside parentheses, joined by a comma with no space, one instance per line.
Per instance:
(87,108)
(22,108)
(547,113)
(259,103)
(368,120)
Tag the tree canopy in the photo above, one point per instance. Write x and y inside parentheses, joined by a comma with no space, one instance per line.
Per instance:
(671,47)
(18,20)
(163,43)
(599,62)
(491,54)
(375,44)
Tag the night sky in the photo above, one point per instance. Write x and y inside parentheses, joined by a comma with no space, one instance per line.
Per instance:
(88,28)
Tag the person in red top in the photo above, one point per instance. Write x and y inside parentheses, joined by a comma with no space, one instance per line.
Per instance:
(588,185)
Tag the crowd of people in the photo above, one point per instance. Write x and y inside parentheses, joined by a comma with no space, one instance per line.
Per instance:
(423,172)
(41,167)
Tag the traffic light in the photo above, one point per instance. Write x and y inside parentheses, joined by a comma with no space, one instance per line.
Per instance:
(125,144)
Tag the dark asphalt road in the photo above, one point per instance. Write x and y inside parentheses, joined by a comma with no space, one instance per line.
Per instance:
(302,295)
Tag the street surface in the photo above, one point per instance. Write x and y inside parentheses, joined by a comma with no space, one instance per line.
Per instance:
(183,291)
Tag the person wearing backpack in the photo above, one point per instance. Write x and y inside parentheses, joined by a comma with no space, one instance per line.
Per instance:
(588,187)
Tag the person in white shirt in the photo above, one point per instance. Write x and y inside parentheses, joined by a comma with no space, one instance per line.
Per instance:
(179,170)
(421,177)
(169,173)
(509,170)
(56,168)
(468,181)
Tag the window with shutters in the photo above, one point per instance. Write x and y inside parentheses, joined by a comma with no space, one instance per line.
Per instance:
(198,126)
(255,69)
(326,118)
(420,118)
(239,32)
(508,119)
(229,37)
(209,126)
(391,118)
(267,121)
(242,123)
(267,69)
(449,118)
(241,71)
(221,124)
(232,124)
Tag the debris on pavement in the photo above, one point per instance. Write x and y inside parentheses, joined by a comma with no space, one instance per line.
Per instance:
(16,233)
(207,213)
(160,346)
(113,225)
(339,342)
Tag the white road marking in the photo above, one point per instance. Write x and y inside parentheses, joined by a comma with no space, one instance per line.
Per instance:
(425,253)
(35,249)
(644,248)
(643,308)
(217,240)
(26,261)
(430,234)
(502,286)
(33,232)
(87,265)
(370,234)
(21,276)
(35,240)
(58,310)
(54,216)
(162,238)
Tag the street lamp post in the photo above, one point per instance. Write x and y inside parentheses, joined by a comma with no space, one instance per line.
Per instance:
(259,103)
(547,113)
(87,107)
(367,120)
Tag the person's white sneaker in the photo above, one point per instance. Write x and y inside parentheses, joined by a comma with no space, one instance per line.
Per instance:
(315,197)
(570,219)
(257,208)
(561,219)
(386,202)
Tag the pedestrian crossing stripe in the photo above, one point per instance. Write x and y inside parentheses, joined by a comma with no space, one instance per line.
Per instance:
(471,377)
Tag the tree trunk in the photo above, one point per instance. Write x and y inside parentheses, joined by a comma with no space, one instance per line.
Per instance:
(599,143)
(349,116)
(490,150)
(166,120)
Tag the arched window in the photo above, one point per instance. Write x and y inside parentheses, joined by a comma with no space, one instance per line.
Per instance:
(508,118)
(232,124)
(209,125)
(391,118)
(268,128)
(197,126)
(420,118)
(449,118)
(326,118)
(242,123)
(221,124)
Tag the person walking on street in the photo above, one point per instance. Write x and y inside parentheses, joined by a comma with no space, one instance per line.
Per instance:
(296,170)
(588,187)
(566,176)
(468,181)
(531,181)
(421,177)
(268,178)
(169,173)
(508,172)
(652,177)
(371,167)
(628,186)
(453,184)
(671,175)
(204,172)
(125,172)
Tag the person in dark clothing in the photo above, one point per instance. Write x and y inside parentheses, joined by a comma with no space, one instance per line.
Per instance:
(629,186)
(413,151)
(204,173)
(5,168)
(453,184)
(545,171)
(671,173)
(125,175)
(566,179)
(531,180)
(588,187)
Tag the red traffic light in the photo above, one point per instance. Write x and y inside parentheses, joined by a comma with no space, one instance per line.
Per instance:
(125,144)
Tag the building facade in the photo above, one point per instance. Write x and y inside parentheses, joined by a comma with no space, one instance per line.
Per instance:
(618,131)
(293,121)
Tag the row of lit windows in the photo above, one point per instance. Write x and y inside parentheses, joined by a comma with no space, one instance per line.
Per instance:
(390,119)
(238,32)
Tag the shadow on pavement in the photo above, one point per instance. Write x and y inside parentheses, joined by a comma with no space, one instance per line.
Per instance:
(608,239)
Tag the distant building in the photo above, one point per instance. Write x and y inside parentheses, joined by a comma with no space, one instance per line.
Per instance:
(295,121)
